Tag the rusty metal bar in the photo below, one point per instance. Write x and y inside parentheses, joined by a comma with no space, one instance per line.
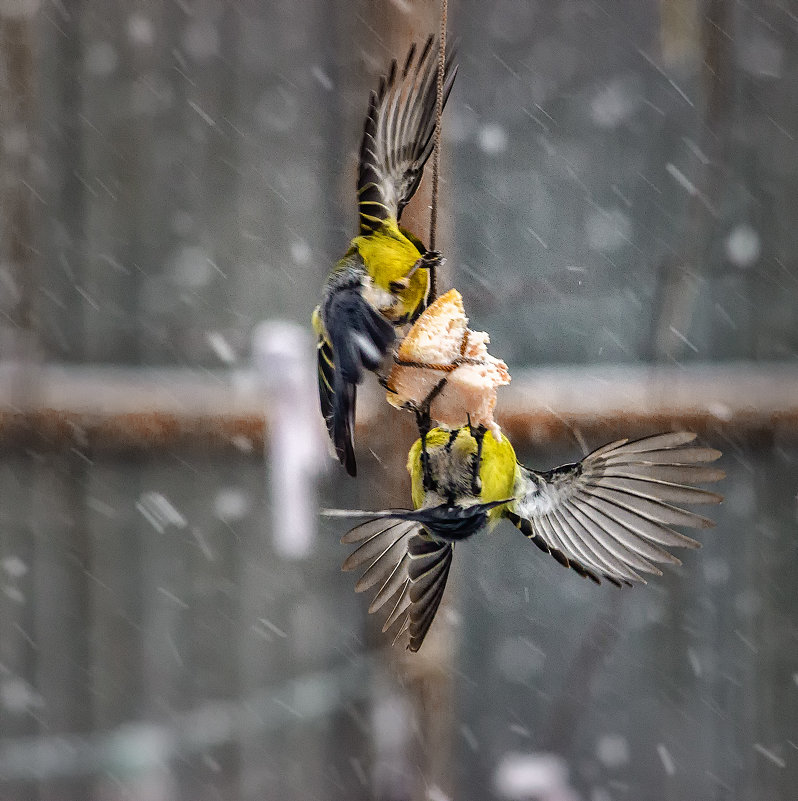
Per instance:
(102,409)
(734,399)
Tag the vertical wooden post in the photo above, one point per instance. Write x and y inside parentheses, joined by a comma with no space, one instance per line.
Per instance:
(426,675)
(19,646)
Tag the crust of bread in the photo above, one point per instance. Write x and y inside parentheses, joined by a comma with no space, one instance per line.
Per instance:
(437,335)
(439,339)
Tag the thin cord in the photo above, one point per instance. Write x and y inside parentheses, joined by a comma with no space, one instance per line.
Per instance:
(436,153)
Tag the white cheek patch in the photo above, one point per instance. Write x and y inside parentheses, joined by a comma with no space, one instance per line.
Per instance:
(380,299)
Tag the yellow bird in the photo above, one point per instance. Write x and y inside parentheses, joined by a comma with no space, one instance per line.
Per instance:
(609,515)
(382,282)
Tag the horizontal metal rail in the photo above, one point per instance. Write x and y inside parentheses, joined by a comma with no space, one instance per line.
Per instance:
(101,408)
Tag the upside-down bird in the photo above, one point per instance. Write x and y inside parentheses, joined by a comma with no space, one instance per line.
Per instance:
(383,280)
(608,516)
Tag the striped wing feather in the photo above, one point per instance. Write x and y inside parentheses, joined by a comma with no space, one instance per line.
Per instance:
(398,135)
(326,378)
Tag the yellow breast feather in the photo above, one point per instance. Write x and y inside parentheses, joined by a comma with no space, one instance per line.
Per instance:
(497,472)
(497,468)
(389,256)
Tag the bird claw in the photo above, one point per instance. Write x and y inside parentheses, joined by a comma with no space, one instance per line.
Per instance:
(424,424)
(432,258)
(477,432)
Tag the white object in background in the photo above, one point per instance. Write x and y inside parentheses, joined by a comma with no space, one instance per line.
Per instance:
(392,740)
(284,354)
(534,777)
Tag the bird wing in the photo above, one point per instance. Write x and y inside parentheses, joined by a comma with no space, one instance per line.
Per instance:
(398,135)
(352,336)
(399,556)
(610,515)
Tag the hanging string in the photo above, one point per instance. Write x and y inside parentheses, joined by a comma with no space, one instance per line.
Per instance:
(436,153)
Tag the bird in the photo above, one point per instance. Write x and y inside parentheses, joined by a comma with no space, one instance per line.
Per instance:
(608,516)
(382,282)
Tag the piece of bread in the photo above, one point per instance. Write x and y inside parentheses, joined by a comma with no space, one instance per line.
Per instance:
(437,336)
(439,339)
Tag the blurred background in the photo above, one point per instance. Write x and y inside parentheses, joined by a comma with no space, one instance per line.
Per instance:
(617,207)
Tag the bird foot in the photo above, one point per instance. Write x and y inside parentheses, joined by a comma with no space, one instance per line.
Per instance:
(424,424)
(432,258)
(478,433)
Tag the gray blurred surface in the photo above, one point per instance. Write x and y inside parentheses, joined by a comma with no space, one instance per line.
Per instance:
(609,169)
(684,688)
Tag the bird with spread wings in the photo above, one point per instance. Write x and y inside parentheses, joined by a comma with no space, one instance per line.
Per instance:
(609,516)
